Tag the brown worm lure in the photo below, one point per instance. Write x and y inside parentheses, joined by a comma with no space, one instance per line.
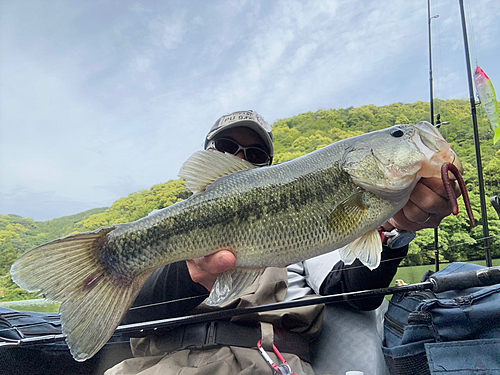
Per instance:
(449,167)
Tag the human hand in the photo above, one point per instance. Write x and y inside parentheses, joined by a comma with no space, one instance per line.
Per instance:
(205,270)
(427,206)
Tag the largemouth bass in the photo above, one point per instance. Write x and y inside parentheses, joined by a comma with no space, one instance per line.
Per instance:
(335,197)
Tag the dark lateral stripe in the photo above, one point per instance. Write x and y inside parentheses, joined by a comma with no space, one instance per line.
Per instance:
(259,202)
(252,205)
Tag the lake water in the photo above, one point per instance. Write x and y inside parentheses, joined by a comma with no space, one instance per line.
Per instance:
(408,274)
(38,305)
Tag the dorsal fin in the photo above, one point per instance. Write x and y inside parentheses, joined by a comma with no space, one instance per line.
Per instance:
(204,167)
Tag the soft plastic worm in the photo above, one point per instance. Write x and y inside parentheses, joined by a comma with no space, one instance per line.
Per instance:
(449,167)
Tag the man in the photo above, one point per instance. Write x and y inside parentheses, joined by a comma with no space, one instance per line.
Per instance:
(246,135)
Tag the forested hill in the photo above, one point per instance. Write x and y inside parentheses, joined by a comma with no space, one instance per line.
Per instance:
(294,137)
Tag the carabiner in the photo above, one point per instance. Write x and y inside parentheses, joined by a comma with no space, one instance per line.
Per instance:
(283,368)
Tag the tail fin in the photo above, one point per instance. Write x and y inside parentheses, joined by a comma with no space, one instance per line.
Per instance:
(67,270)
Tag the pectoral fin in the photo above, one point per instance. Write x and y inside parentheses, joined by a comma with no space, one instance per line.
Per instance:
(349,213)
(367,248)
(231,284)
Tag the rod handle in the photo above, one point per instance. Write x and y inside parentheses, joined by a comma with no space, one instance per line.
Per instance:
(467,279)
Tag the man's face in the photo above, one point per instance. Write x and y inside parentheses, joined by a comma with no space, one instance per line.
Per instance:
(244,137)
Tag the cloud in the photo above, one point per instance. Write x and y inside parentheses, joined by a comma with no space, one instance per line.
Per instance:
(168,31)
(99,101)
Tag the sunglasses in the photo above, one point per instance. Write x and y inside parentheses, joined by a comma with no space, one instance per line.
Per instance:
(254,155)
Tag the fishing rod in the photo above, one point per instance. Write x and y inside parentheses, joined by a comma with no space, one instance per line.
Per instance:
(477,145)
(435,283)
(431,102)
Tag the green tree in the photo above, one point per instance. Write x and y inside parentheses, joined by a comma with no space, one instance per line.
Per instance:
(294,137)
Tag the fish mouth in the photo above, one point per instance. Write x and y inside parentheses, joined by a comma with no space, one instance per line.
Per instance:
(437,150)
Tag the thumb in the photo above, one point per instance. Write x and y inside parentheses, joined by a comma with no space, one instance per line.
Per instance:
(218,262)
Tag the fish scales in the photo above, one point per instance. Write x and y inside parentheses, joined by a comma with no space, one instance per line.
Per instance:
(263,224)
(270,216)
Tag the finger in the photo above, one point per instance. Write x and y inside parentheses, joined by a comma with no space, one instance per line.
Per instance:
(218,262)
(436,184)
(200,276)
(415,214)
(423,214)
(428,198)
(205,270)
(428,205)
(400,221)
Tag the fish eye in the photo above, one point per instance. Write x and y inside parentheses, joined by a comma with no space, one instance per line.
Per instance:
(397,133)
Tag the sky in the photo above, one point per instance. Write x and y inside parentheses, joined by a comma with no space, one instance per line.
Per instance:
(99,99)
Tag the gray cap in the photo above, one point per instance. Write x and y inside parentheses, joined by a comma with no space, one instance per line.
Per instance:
(249,119)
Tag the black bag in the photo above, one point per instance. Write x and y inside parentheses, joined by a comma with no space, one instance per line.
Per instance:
(53,358)
(452,332)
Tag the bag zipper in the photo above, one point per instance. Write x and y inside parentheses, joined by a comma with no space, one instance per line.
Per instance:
(394,324)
